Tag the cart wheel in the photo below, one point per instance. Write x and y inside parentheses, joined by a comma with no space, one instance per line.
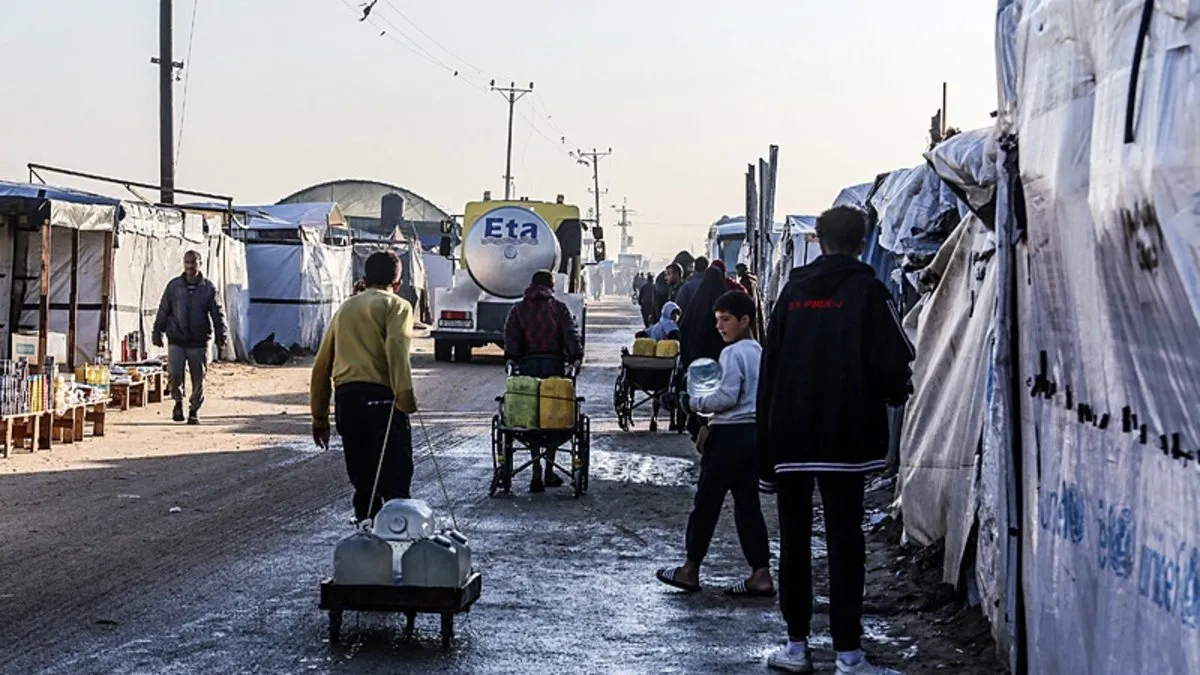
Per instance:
(653,425)
(335,626)
(585,453)
(506,469)
(410,623)
(622,403)
(447,630)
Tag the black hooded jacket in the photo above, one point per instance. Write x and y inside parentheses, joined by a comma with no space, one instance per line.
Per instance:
(835,357)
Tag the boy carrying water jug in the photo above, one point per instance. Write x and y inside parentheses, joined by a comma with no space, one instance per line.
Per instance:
(728,462)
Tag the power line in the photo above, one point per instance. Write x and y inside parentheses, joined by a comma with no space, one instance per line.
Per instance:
(187,78)
(432,39)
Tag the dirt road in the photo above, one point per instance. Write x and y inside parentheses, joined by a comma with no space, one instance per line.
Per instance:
(99,576)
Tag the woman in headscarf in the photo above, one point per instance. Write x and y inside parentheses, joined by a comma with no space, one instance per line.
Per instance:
(730,284)
(698,327)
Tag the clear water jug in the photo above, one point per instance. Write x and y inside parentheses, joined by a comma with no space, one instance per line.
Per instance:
(703,378)
(362,559)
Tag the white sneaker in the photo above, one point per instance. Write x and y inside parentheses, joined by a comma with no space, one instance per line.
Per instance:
(865,667)
(782,659)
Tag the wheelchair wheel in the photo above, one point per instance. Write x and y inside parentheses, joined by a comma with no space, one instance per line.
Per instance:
(623,401)
(580,456)
(502,459)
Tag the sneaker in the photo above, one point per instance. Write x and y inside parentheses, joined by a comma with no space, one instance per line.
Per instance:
(193,418)
(865,667)
(177,415)
(789,662)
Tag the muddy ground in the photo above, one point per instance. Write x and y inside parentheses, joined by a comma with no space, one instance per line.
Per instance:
(100,576)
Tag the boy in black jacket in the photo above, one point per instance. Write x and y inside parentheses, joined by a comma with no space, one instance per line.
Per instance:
(835,357)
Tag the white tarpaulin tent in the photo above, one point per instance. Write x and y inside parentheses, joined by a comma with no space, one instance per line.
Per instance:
(144,249)
(297,279)
(1106,400)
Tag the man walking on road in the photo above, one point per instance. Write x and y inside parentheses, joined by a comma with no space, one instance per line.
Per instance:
(540,337)
(835,357)
(188,315)
(364,364)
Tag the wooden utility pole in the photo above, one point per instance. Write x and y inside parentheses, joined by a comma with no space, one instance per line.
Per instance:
(624,224)
(592,159)
(512,94)
(166,105)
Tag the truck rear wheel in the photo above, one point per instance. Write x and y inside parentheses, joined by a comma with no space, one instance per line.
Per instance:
(441,350)
(462,352)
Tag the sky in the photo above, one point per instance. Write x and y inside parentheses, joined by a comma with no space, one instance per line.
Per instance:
(277,95)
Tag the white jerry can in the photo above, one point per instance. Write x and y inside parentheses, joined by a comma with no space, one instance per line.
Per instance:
(362,559)
(431,562)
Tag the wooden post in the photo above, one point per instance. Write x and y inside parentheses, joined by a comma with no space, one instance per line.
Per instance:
(73,319)
(44,303)
(106,274)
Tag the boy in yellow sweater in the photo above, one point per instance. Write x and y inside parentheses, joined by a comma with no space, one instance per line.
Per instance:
(364,364)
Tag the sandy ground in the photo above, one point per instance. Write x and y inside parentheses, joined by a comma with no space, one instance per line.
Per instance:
(99,576)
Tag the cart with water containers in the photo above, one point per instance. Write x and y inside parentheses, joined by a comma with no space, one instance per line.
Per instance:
(648,375)
(543,416)
(399,564)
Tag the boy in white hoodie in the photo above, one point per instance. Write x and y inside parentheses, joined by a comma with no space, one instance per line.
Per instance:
(728,462)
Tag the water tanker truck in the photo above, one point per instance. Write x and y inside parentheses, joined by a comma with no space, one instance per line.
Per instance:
(503,244)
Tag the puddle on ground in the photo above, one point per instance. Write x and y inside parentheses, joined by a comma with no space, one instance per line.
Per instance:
(632,467)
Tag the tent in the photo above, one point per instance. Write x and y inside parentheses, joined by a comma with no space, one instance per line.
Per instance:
(300,264)
(67,254)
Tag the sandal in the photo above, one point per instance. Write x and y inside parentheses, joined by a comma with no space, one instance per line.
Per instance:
(741,590)
(667,576)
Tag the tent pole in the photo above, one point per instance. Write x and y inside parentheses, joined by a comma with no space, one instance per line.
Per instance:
(73,319)
(44,302)
(102,337)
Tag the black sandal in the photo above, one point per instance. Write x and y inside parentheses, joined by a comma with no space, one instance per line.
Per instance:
(741,590)
(667,576)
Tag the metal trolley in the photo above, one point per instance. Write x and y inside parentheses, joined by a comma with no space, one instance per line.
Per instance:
(656,378)
(506,440)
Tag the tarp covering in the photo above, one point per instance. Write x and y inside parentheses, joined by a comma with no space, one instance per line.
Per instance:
(69,208)
(148,252)
(1109,334)
(967,163)
(855,195)
(295,288)
(939,447)
(916,211)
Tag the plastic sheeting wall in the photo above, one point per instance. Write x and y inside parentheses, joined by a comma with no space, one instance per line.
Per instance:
(1109,318)
(943,426)
(148,252)
(295,289)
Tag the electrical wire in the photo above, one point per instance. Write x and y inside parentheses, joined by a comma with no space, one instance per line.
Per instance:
(187,78)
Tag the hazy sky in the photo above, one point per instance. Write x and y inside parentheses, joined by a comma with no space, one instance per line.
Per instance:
(282,94)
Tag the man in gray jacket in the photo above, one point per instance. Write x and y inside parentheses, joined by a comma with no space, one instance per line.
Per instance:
(188,315)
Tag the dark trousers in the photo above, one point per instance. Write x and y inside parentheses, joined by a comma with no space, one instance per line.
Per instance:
(728,466)
(842,499)
(542,366)
(362,421)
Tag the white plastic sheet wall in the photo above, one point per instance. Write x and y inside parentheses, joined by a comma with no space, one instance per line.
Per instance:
(148,252)
(295,288)
(943,424)
(1109,293)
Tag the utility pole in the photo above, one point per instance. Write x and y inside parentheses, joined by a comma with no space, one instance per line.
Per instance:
(512,93)
(624,224)
(592,159)
(166,106)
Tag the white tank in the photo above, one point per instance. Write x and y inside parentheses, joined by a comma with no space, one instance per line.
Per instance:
(432,562)
(362,559)
(401,522)
(463,549)
(506,246)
